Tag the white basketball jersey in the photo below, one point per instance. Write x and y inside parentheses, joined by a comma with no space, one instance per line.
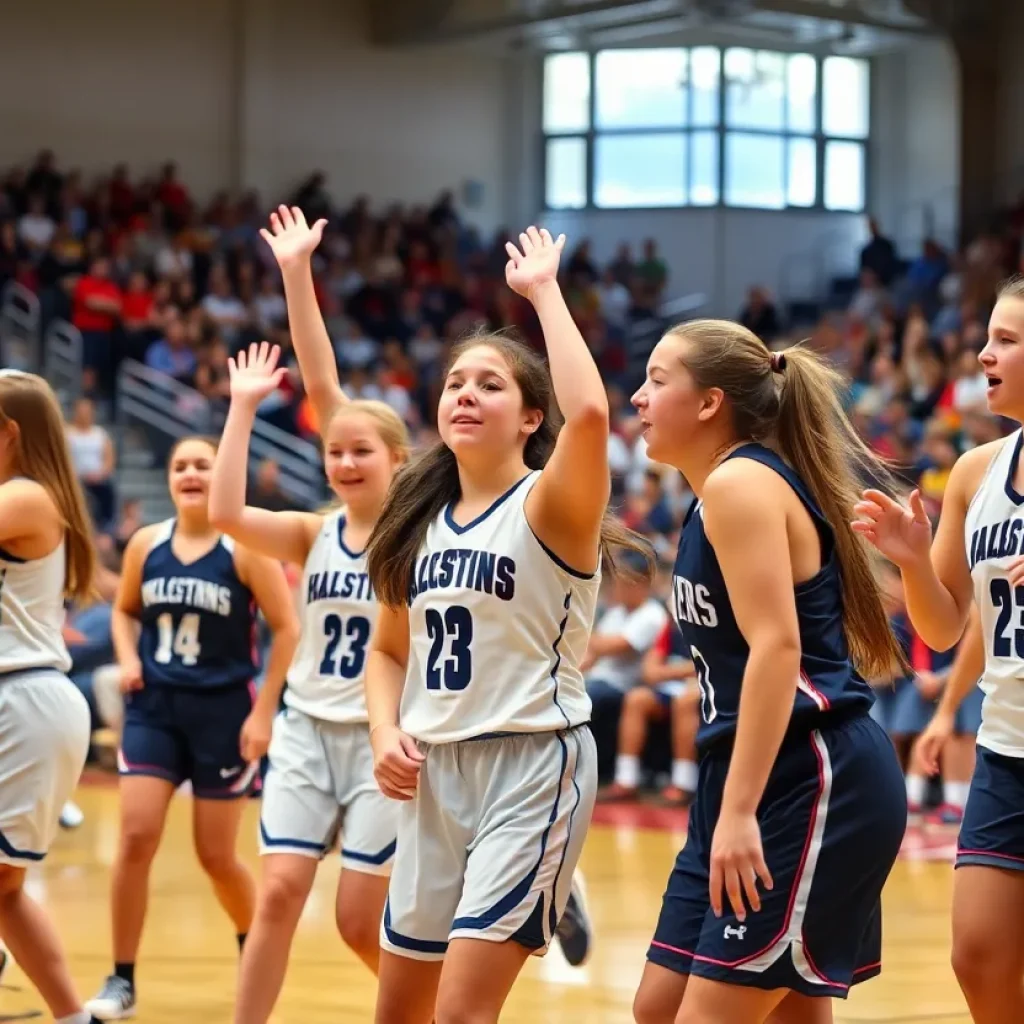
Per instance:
(994,529)
(338,612)
(32,612)
(498,627)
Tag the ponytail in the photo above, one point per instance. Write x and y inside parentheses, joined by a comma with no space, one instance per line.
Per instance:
(815,437)
(792,400)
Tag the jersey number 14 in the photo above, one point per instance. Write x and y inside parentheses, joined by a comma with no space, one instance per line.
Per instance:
(183,642)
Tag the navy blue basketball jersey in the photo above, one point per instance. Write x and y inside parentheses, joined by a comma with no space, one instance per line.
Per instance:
(700,605)
(198,619)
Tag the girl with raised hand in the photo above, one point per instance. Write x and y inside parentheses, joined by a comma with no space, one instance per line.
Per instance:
(487,560)
(321,776)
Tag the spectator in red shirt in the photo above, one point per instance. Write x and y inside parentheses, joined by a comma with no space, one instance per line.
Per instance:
(96,308)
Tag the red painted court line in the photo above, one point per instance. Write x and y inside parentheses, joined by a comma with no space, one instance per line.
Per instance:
(641,815)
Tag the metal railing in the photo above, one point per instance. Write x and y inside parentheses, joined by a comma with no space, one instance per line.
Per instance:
(19,328)
(62,360)
(171,410)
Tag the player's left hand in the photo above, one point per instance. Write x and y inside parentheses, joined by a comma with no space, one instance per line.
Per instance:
(737,862)
(535,262)
(254,740)
(255,374)
(290,238)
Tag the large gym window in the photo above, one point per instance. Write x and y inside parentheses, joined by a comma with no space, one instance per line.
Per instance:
(701,126)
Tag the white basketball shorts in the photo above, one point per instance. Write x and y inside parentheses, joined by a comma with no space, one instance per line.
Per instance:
(44,740)
(488,846)
(321,780)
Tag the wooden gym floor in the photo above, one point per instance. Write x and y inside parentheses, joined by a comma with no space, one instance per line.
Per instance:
(187,963)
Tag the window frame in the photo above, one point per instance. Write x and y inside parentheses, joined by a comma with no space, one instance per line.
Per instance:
(722,129)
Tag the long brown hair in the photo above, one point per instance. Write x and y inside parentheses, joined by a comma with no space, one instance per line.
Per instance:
(429,482)
(792,401)
(42,455)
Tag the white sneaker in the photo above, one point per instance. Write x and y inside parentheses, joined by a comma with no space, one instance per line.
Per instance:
(116,1000)
(71,815)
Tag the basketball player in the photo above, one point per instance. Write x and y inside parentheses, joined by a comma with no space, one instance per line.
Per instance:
(190,713)
(486,561)
(321,763)
(976,556)
(800,808)
(46,555)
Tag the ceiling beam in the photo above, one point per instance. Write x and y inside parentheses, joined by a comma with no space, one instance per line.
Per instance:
(844,15)
(394,29)
(564,14)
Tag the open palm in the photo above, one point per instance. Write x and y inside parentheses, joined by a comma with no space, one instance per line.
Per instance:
(902,534)
(534,262)
(290,238)
(255,374)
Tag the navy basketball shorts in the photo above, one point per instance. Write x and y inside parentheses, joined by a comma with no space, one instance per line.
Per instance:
(832,820)
(992,832)
(175,733)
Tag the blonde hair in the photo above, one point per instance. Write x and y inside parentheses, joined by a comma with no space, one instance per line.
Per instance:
(791,401)
(389,425)
(41,454)
(1011,288)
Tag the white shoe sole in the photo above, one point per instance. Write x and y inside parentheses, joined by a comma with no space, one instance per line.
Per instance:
(102,1010)
(71,816)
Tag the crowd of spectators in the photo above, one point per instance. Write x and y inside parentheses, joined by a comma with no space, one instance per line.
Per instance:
(147,272)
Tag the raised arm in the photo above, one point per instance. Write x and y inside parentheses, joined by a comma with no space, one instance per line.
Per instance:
(937,576)
(286,536)
(293,242)
(567,505)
